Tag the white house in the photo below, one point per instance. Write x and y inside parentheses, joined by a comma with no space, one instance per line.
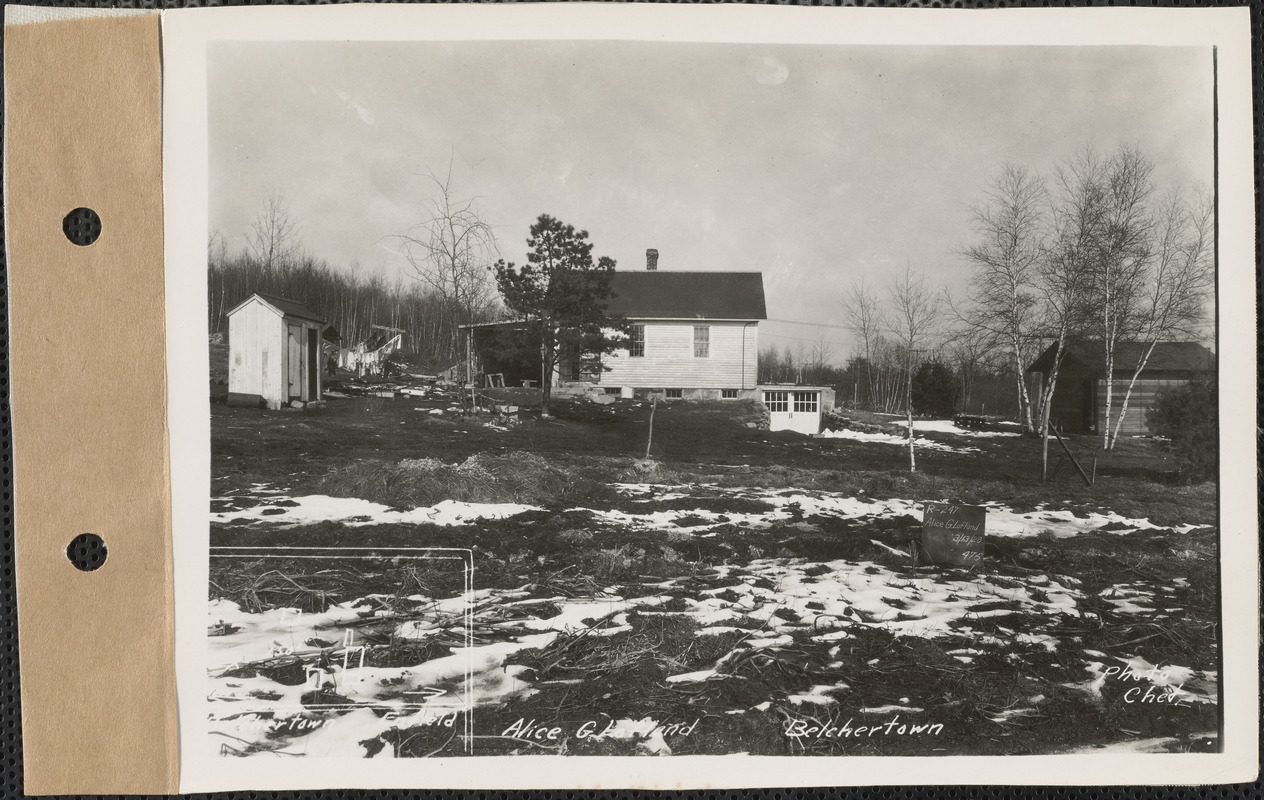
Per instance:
(694,334)
(274,349)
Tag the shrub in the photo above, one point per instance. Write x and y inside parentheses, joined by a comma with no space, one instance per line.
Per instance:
(934,390)
(1187,417)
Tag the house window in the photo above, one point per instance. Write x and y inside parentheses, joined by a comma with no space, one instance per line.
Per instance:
(701,341)
(777,402)
(674,394)
(636,348)
(728,394)
(806,402)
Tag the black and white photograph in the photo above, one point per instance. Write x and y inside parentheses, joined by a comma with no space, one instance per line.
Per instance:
(671,398)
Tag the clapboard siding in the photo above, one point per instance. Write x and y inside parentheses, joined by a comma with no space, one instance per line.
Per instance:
(259,359)
(256,338)
(669,362)
(1144,394)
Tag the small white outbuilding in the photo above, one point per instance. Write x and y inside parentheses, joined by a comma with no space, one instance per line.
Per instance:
(274,352)
(797,408)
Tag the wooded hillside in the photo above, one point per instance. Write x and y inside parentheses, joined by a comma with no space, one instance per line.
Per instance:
(349,300)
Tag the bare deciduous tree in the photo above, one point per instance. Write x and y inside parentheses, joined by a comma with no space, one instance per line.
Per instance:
(452,250)
(1064,281)
(1001,297)
(273,239)
(1120,255)
(1091,259)
(822,357)
(864,319)
(1172,298)
(969,349)
(914,317)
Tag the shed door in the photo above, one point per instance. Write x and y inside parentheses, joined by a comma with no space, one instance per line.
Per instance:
(313,365)
(798,411)
(778,404)
(294,363)
(805,411)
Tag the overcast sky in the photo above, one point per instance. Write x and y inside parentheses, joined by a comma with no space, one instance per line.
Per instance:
(814,165)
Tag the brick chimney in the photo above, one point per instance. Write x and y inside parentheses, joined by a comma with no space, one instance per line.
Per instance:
(651,259)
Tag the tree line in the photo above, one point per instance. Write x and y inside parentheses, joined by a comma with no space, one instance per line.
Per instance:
(1092,254)
(956,378)
(558,295)
(448,252)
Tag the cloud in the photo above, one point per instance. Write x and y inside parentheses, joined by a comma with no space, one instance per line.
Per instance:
(768,70)
(365,115)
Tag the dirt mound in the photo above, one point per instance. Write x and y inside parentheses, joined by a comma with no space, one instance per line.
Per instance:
(513,477)
(749,412)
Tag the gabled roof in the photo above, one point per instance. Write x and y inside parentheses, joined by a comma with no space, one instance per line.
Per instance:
(651,294)
(289,308)
(1167,357)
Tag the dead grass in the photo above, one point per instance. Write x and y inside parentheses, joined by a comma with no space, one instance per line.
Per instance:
(627,562)
(313,585)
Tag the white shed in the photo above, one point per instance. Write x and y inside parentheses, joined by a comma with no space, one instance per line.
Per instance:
(795,408)
(274,348)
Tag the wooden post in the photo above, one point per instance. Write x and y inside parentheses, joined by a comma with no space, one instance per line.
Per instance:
(1093,475)
(908,399)
(469,361)
(650,439)
(1044,454)
(1087,480)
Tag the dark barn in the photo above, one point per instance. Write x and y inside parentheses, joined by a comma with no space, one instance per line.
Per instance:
(1079,401)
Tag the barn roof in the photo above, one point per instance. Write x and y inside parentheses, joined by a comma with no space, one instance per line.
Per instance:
(290,308)
(652,294)
(1167,357)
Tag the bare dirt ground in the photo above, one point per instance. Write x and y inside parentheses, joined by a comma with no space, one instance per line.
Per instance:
(741,591)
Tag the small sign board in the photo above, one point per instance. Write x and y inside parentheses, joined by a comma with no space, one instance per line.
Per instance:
(953,534)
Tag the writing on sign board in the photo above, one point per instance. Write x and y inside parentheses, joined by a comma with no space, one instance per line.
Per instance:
(953,534)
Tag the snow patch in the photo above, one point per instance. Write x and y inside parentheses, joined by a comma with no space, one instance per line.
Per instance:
(887,438)
(948,426)
(308,509)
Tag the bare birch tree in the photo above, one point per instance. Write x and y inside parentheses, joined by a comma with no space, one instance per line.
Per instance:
(1001,297)
(1063,279)
(1172,301)
(1121,253)
(914,317)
